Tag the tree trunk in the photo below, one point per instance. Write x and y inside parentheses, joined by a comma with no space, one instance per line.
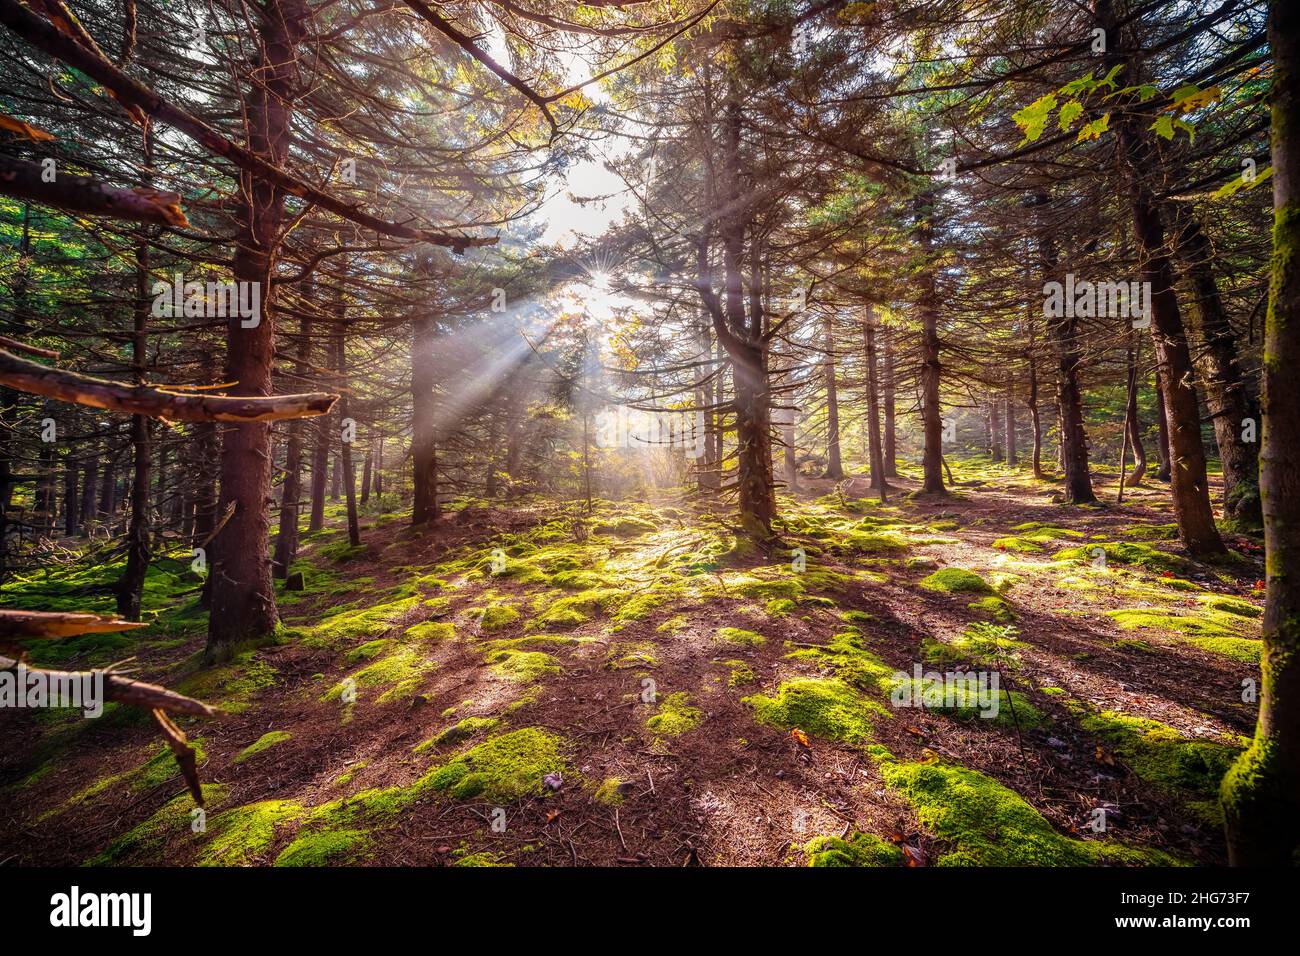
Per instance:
(887,387)
(875,450)
(931,370)
(1063,330)
(1190,486)
(1162,424)
(1133,426)
(424,436)
(286,539)
(1009,429)
(366,474)
(130,589)
(71,516)
(1225,386)
(242,592)
(834,467)
(346,439)
(1261,793)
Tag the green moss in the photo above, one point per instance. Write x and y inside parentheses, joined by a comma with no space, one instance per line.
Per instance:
(503,768)
(431,631)
(1216,631)
(826,708)
(1022,545)
(1158,753)
(263,743)
(741,673)
(625,656)
(1124,552)
(956,580)
(625,526)
(172,821)
(995,608)
(241,834)
(400,672)
(736,635)
(523,665)
(986,824)
(674,715)
(368,650)
(851,662)
(345,626)
(861,849)
(991,645)
(1231,605)
(768,590)
(874,542)
(575,580)
(609,792)
(780,607)
(483,858)
(230,685)
(323,848)
(495,616)
(1014,709)
(347,776)
(459,732)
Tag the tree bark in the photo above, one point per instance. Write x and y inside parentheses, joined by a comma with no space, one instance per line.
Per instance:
(1225,386)
(424,435)
(286,539)
(1261,793)
(834,466)
(242,592)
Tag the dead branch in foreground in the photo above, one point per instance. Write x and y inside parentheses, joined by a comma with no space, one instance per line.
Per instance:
(156,402)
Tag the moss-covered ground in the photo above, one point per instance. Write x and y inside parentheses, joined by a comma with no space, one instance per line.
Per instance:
(536,685)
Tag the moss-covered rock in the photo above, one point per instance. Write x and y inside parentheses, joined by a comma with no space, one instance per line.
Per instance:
(860,849)
(827,708)
(956,581)
(502,769)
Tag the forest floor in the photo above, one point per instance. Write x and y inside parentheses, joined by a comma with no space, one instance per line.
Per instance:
(537,686)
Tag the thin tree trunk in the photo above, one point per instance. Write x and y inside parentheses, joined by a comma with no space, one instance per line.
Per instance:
(424,437)
(1064,332)
(345,444)
(875,450)
(888,387)
(130,589)
(931,370)
(834,467)
(1133,427)
(286,539)
(1009,429)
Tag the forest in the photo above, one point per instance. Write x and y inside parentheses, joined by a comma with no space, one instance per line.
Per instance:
(649,433)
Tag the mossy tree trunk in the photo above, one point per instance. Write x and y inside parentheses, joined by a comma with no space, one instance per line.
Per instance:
(1261,793)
